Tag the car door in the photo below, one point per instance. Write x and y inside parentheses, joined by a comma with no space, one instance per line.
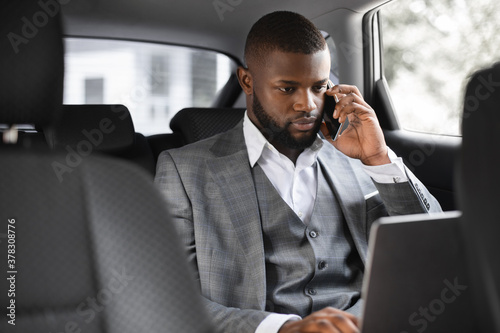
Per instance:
(421,127)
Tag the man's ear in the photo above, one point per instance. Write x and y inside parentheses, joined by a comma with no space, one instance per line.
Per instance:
(245,79)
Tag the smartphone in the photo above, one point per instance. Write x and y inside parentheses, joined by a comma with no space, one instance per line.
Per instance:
(334,127)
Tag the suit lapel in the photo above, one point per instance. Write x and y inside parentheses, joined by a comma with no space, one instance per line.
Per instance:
(339,172)
(231,172)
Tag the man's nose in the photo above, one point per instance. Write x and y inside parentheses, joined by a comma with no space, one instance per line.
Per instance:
(305,102)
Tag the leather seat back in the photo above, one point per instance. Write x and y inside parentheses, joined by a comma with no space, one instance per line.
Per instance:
(478,185)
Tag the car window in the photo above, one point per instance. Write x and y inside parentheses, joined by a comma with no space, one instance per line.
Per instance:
(153,80)
(334,67)
(430,50)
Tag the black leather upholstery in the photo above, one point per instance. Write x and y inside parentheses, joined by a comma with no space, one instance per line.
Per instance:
(195,124)
(95,250)
(479,183)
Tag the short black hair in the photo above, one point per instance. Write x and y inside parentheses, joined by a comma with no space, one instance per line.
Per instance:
(282,31)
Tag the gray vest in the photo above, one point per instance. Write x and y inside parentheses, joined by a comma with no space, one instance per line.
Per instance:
(307,267)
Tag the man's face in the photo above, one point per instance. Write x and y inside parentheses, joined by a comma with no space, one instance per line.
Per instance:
(288,96)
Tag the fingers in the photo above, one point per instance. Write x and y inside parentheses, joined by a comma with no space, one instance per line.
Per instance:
(334,322)
(328,320)
(346,104)
(349,100)
(346,90)
(339,316)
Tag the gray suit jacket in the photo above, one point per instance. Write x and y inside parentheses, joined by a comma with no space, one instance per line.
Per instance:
(211,194)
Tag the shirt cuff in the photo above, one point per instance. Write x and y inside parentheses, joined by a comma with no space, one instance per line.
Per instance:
(393,172)
(273,322)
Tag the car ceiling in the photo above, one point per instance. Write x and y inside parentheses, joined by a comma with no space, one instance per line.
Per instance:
(215,24)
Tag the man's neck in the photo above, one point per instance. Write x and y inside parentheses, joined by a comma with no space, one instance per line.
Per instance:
(292,154)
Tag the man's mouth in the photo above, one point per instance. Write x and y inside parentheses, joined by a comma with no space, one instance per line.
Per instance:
(304,124)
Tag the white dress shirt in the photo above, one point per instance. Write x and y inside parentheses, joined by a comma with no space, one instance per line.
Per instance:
(297,184)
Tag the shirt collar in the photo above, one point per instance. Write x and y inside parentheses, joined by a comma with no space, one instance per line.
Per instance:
(256,142)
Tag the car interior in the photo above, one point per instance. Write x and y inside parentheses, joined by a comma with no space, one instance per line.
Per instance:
(77,200)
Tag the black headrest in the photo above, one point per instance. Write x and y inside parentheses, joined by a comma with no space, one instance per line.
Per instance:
(199,123)
(104,128)
(479,183)
(31,62)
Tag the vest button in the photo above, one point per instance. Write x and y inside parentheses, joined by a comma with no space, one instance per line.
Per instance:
(313,234)
(322,265)
(311,291)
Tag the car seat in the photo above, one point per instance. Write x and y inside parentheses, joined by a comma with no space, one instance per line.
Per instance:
(478,183)
(86,241)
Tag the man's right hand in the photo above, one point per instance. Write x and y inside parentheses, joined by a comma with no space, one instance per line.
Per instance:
(328,320)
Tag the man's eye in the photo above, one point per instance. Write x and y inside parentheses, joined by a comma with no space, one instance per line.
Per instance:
(320,88)
(286,90)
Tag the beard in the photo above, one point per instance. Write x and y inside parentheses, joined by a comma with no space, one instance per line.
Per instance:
(281,134)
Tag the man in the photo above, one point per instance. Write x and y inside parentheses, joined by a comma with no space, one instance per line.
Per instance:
(274,219)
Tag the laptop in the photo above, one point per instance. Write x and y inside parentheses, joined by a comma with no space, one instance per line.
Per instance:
(416,277)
